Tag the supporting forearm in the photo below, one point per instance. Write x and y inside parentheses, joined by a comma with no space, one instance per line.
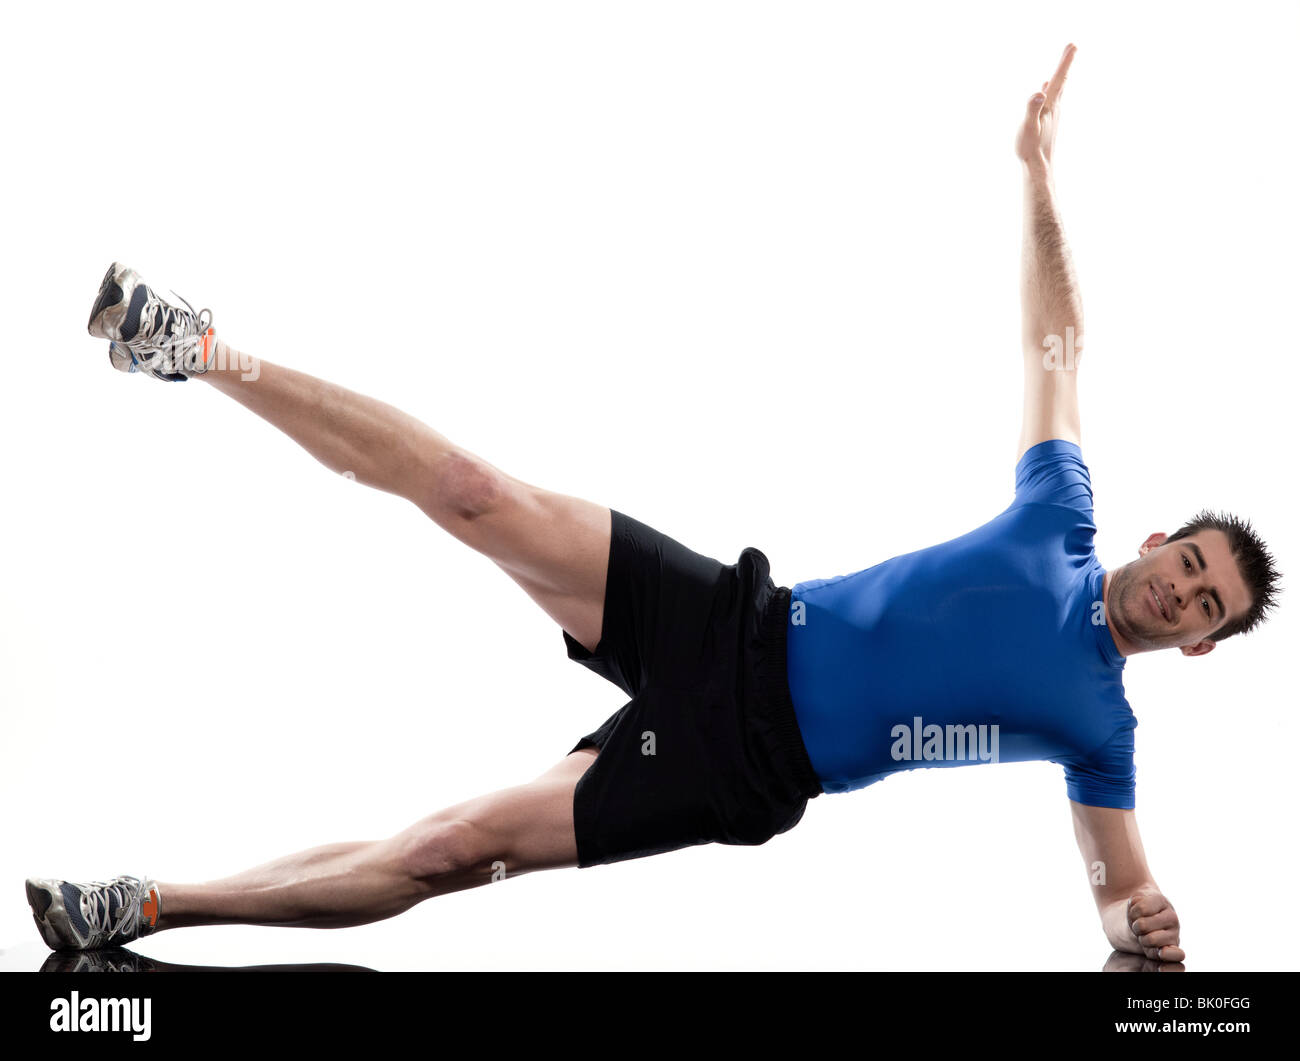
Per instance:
(1049,289)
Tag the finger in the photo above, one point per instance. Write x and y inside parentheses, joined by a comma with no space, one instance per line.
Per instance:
(1159,938)
(1057,85)
(1035,107)
(1146,904)
(1167,954)
(1166,918)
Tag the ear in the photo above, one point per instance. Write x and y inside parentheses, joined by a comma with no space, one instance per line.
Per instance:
(1198,649)
(1153,542)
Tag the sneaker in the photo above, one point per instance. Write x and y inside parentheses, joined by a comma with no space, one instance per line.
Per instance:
(98,914)
(119,356)
(109,960)
(146,333)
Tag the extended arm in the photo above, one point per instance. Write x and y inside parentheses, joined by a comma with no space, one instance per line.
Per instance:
(1135,916)
(1051,309)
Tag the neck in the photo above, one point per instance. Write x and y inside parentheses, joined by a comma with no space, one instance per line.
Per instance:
(1123,644)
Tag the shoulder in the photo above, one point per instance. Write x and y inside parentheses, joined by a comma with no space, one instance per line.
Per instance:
(1053,472)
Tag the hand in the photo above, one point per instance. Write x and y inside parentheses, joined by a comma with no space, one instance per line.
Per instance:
(1038,133)
(1123,962)
(1154,923)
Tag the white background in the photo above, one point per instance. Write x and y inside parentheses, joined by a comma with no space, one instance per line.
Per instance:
(747,272)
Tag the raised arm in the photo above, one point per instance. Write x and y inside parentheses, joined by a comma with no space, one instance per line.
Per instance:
(1135,916)
(1051,309)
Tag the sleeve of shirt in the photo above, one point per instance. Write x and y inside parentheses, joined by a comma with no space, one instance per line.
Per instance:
(1053,473)
(1107,777)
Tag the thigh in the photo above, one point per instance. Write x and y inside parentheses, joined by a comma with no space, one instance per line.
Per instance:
(528,827)
(556,548)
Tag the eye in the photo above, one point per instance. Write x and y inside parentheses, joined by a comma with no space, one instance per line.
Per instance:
(1206,605)
(1186,563)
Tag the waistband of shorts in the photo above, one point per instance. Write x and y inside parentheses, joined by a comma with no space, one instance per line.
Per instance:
(775,690)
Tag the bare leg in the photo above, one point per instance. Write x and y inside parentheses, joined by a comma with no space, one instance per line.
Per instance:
(502,835)
(555,547)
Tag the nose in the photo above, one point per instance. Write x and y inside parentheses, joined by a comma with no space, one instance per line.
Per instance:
(1181,597)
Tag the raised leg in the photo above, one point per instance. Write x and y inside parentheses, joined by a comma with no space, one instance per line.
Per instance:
(506,834)
(554,546)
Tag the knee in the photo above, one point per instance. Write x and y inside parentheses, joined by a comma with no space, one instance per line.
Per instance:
(470,487)
(444,847)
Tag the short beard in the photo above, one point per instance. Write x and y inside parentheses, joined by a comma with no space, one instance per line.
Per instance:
(1122,589)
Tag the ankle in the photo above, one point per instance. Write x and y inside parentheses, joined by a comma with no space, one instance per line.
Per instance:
(226,363)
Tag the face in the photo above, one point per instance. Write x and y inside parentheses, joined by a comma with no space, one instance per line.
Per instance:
(1176,594)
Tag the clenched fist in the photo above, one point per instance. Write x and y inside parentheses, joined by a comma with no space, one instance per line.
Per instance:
(1154,923)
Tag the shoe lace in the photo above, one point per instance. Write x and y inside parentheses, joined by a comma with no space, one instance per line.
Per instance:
(187,341)
(204,325)
(170,352)
(98,910)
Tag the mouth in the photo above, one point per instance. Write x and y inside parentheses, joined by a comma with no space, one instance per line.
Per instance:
(1158,604)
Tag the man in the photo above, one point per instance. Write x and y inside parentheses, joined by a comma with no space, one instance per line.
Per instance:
(745,699)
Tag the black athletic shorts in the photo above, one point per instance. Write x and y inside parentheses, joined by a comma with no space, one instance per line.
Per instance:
(708,749)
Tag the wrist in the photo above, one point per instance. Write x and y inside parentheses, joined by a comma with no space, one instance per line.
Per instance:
(1114,923)
(1037,170)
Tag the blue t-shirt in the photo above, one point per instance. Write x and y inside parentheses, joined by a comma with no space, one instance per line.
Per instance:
(989,648)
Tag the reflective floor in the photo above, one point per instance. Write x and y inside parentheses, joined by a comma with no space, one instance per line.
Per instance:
(36,957)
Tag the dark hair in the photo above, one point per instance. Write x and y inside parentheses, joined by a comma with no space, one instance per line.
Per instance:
(1254,562)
